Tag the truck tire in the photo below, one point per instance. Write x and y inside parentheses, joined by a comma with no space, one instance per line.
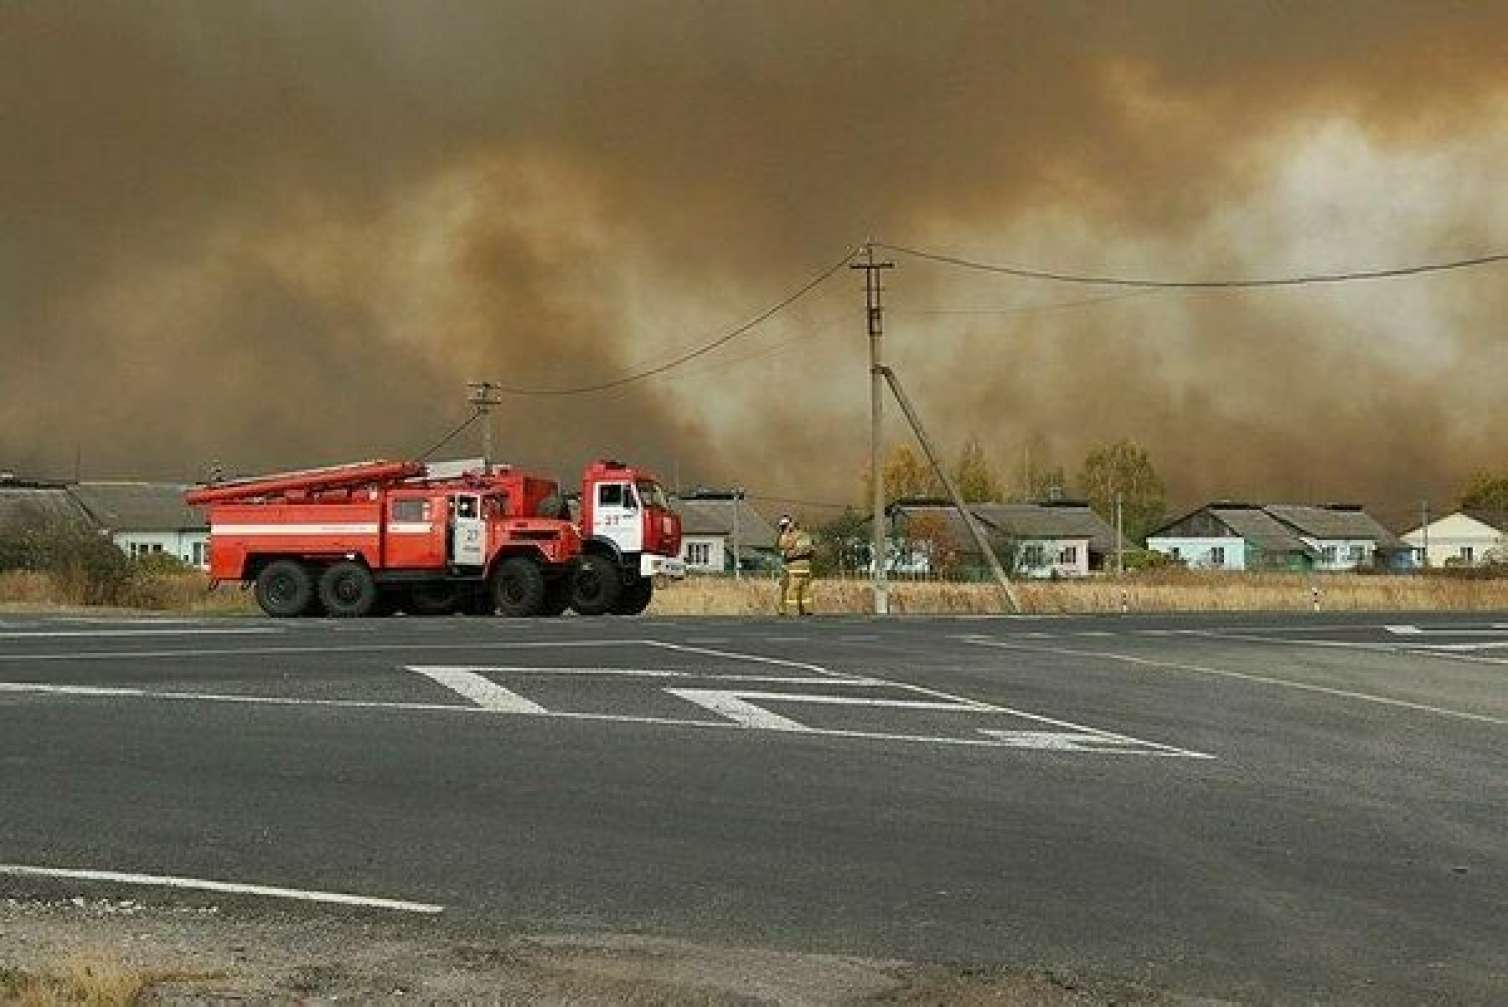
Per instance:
(435,597)
(347,590)
(596,585)
(635,597)
(557,596)
(518,587)
(284,589)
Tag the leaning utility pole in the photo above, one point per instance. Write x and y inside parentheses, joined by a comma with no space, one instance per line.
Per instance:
(969,520)
(874,312)
(484,395)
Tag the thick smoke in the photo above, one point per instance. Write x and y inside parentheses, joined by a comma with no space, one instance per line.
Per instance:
(282,234)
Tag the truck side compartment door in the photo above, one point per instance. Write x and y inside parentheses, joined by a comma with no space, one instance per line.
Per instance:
(468,543)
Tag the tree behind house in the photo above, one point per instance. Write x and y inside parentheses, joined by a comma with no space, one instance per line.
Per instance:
(1124,468)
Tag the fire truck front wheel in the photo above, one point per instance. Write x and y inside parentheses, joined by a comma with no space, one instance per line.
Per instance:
(284,589)
(518,587)
(596,586)
(348,590)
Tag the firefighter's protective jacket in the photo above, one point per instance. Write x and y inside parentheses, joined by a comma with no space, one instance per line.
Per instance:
(795,545)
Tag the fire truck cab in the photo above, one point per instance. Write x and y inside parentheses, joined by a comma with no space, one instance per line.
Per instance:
(630,539)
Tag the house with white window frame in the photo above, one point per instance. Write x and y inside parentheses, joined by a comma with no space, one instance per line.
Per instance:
(146,519)
(1231,535)
(711,520)
(1464,538)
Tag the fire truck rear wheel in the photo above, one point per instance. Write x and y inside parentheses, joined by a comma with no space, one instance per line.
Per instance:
(518,587)
(284,589)
(635,597)
(596,586)
(347,590)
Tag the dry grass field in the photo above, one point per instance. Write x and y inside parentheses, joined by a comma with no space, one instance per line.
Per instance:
(1162,591)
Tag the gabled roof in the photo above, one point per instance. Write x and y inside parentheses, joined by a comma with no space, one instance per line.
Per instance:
(1335,521)
(1261,529)
(1056,520)
(1491,518)
(712,514)
(1281,528)
(26,504)
(128,507)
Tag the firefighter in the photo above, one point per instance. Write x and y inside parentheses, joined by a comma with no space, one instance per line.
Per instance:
(796,580)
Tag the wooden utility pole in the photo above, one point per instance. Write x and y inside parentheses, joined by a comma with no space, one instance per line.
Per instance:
(874,313)
(484,395)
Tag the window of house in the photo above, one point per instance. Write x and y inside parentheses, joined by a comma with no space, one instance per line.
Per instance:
(699,553)
(1217,556)
(1068,555)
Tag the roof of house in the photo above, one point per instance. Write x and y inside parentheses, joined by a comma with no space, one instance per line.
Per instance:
(712,514)
(1335,521)
(25,504)
(1055,520)
(1491,518)
(141,507)
(1261,529)
(1278,528)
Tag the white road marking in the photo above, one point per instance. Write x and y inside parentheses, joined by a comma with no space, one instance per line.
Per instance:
(1245,676)
(528,670)
(737,709)
(561,715)
(227,887)
(343,648)
(1062,741)
(185,631)
(482,691)
(735,655)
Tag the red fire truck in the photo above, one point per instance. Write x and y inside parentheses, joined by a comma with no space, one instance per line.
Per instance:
(381,536)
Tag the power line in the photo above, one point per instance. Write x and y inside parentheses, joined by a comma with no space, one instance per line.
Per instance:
(1025,309)
(699,351)
(1124,281)
(450,436)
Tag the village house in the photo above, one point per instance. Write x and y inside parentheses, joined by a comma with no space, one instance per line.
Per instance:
(1230,535)
(142,519)
(711,522)
(1059,538)
(1465,538)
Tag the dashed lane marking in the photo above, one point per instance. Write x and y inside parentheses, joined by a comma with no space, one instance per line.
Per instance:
(226,887)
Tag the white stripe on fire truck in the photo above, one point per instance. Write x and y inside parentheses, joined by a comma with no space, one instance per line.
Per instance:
(294,529)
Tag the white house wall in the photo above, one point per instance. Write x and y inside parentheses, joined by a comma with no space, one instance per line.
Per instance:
(1451,534)
(1200,553)
(716,550)
(178,544)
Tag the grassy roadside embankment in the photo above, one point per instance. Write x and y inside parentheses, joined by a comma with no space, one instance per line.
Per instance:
(188,593)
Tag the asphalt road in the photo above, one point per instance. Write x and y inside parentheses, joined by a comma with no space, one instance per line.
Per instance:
(1259,808)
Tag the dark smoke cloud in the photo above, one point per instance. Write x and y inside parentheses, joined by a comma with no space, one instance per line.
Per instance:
(285,233)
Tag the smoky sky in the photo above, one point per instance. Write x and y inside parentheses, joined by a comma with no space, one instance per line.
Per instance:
(275,234)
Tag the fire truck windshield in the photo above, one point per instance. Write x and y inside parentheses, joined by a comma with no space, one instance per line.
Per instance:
(652,495)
